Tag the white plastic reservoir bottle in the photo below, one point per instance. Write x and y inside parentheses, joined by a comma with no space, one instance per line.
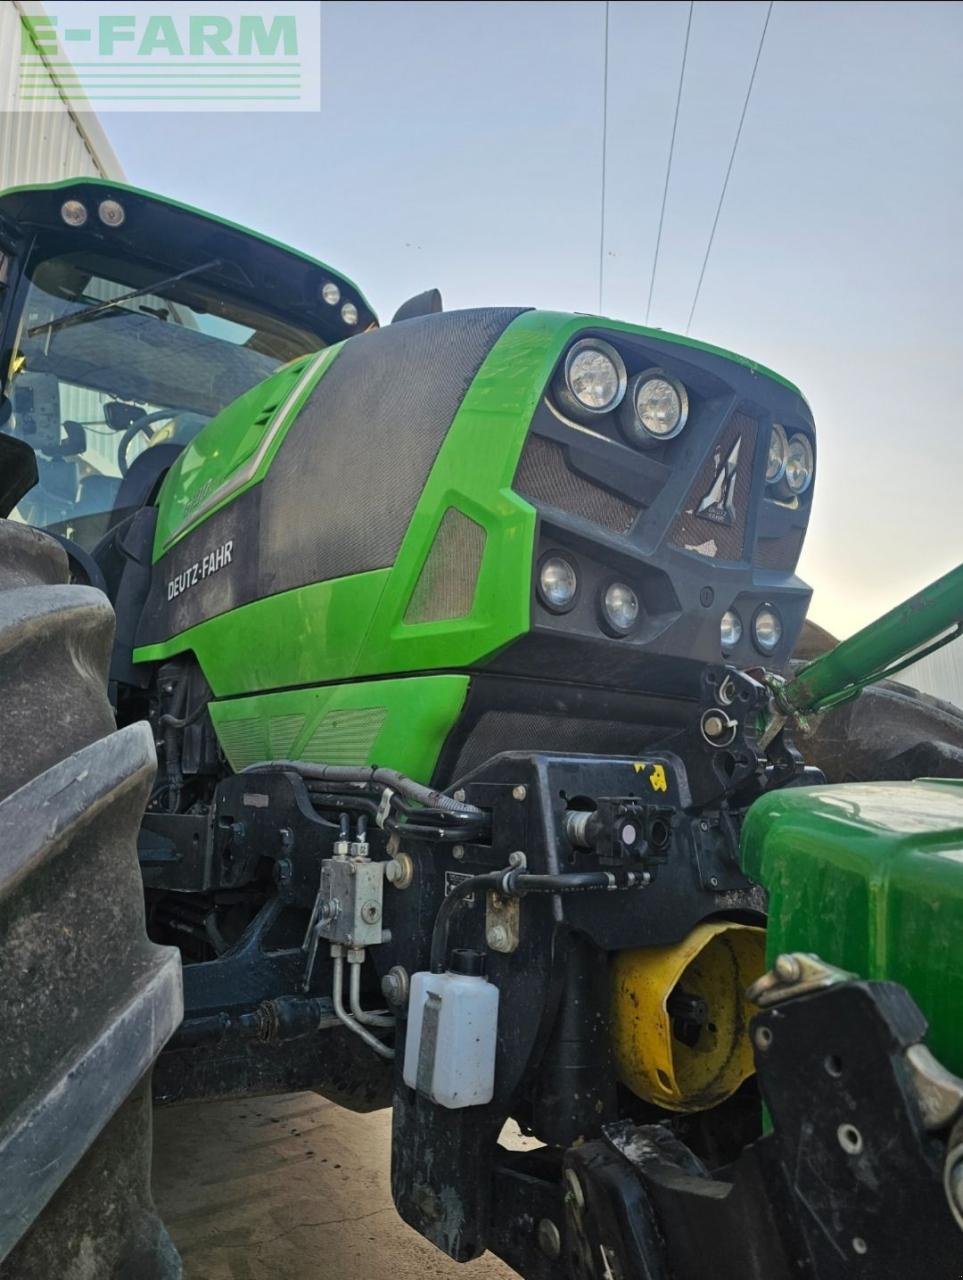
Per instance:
(452,1029)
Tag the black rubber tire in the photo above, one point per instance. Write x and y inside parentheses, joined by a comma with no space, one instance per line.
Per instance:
(890,733)
(85,998)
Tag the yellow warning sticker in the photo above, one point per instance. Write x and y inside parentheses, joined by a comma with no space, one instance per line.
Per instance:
(657,779)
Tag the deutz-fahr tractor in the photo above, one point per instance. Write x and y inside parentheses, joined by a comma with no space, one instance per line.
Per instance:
(439,696)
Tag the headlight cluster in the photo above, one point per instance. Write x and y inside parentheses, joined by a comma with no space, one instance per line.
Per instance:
(652,407)
(331,294)
(110,212)
(765,629)
(558,589)
(790,460)
(592,379)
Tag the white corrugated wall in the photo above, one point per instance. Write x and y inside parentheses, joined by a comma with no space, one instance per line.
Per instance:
(940,675)
(44,146)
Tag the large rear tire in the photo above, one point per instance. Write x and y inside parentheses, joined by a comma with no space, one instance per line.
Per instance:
(86,1001)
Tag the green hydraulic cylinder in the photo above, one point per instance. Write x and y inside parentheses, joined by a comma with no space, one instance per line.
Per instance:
(918,626)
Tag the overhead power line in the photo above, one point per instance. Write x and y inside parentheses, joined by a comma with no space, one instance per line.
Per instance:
(605,139)
(732,156)
(668,167)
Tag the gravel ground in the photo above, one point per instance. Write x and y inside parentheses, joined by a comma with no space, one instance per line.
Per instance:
(288,1188)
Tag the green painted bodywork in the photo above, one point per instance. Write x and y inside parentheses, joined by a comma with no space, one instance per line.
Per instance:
(870,877)
(213,457)
(109,185)
(401,722)
(355,627)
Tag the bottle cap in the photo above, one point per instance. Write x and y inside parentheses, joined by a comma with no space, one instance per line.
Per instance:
(465,961)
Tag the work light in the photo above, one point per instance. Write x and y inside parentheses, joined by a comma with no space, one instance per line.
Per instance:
(73,213)
(799,464)
(349,313)
(620,608)
(766,629)
(730,629)
(776,459)
(557,584)
(331,293)
(111,213)
(656,408)
(592,379)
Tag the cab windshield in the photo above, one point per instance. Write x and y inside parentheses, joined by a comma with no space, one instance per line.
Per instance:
(114,358)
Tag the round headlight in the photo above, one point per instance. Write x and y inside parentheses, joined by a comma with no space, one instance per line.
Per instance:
(557,584)
(730,629)
(799,464)
(331,293)
(73,213)
(349,313)
(656,408)
(766,629)
(592,379)
(620,608)
(778,449)
(111,213)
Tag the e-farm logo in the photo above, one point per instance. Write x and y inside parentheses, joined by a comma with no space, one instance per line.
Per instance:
(142,56)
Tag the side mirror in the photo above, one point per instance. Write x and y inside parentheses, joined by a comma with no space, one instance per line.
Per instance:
(422,304)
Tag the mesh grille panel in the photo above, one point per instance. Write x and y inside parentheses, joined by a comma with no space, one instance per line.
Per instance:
(713,521)
(544,475)
(779,553)
(446,585)
(345,737)
(282,732)
(244,741)
(340,492)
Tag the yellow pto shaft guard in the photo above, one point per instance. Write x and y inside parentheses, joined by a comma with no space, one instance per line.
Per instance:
(680,1016)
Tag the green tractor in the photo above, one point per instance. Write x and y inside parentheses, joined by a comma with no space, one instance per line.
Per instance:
(487,785)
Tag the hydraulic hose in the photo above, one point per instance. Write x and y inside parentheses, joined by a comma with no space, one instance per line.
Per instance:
(513,882)
(375,776)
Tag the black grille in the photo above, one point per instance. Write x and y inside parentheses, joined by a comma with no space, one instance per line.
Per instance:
(781,552)
(545,476)
(713,520)
(446,584)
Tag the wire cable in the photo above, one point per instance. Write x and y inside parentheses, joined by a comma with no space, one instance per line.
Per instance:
(668,167)
(605,140)
(732,157)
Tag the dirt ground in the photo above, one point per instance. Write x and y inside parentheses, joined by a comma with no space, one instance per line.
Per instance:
(288,1188)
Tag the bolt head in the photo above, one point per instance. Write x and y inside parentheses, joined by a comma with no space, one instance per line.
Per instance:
(788,968)
(519,792)
(549,1239)
(498,937)
(714,726)
(370,912)
(458,852)
(459,795)
(394,985)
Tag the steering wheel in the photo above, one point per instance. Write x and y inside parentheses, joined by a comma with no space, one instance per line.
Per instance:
(143,424)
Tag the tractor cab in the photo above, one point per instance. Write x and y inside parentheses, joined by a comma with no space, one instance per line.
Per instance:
(127,322)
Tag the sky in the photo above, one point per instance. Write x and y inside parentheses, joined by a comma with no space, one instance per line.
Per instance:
(459,145)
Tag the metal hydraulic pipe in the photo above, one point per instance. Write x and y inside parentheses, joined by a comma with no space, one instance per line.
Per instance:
(372,1019)
(342,1013)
